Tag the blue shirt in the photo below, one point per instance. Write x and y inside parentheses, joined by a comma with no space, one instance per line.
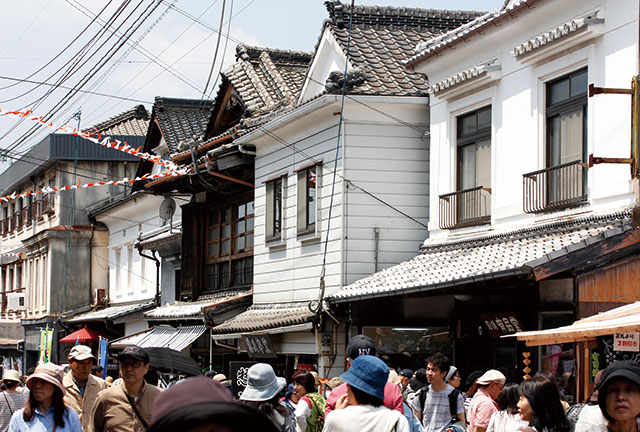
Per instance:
(44,423)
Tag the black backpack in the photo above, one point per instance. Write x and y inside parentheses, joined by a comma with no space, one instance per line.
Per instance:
(453,400)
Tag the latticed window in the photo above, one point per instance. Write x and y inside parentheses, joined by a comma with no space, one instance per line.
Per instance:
(229,260)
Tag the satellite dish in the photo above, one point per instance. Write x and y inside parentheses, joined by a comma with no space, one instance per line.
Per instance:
(167,209)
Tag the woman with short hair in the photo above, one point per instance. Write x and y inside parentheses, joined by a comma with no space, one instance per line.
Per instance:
(310,409)
(619,397)
(507,419)
(45,408)
(540,405)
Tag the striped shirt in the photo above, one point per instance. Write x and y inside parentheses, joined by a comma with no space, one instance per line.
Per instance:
(10,402)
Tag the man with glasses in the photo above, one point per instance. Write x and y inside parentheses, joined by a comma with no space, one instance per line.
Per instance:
(483,404)
(127,407)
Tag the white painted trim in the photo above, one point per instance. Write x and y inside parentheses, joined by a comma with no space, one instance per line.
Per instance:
(287,329)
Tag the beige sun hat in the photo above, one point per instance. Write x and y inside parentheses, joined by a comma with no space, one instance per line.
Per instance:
(11,375)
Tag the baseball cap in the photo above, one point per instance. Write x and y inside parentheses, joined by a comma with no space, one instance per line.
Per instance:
(135,352)
(368,374)
(491,376)
(80,352)
(407,373)
(360,345)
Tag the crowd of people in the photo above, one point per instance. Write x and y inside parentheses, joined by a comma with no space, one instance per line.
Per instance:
(368,397)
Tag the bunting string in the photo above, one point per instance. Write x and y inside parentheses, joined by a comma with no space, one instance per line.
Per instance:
(96,138)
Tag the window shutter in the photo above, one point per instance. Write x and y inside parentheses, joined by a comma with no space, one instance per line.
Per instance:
(270,209)
(302,200)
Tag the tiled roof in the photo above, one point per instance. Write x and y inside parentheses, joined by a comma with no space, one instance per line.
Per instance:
(445,264)
(382,37)
(434,45)
(112,312)
(266,78)
(266,316)
(185,310)
(554,34)
(132,122)
(181,119)
(159,236)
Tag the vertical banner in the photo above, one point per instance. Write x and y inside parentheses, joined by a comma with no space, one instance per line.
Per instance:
(102,356)
(49,344)
(43,347)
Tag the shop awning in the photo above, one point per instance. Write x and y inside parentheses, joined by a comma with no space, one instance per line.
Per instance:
(162,337)
(625,319)
(267,318)
(111,313)
(536,252)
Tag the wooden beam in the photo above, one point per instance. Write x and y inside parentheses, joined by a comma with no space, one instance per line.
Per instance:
(598,250)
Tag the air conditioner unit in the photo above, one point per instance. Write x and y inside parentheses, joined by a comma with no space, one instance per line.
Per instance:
(16,302)
(100,296)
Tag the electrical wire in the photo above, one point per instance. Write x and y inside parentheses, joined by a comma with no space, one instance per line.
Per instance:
(215,53)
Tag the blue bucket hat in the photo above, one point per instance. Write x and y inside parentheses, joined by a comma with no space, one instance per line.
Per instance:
(368,374)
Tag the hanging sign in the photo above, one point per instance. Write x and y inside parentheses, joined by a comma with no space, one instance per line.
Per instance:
(626,342)
(238,375)
(259,346)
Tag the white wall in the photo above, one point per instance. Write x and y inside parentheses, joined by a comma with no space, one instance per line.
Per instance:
(388,159)
(518,105)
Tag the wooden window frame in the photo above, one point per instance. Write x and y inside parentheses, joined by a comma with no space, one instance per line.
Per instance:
(464,140)
(274,209)
(224,262)
(304,179)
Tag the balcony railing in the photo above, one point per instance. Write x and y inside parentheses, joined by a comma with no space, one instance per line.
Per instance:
(465,208)
(555,188)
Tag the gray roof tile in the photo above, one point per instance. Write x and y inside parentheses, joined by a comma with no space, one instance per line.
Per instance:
(266,316)
(132,122)
(181,119)
(491,256)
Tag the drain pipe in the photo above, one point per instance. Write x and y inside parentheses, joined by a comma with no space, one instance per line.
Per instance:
(157,261)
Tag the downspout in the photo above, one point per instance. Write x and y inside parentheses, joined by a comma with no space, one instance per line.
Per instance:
(93,228)
(376,239)
(157,261)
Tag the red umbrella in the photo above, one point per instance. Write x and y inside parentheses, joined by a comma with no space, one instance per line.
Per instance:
(83,335)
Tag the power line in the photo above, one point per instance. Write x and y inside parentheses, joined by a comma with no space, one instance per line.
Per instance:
(70,88)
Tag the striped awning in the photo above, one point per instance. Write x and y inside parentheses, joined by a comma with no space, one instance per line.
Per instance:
(176,338)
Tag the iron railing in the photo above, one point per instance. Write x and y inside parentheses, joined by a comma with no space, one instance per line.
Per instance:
(465,208)
(555,188)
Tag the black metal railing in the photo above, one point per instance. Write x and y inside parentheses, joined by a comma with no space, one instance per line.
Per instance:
(465,208)
(555,188)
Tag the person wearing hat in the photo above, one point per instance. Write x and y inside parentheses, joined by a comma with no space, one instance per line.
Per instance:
(202,404)
(81,386)
(453,377)
(483,404)
(45,408)
(619,396)
(362,408)
(405,379)
(127,407)
(357,346)
(263,392)
(12,399)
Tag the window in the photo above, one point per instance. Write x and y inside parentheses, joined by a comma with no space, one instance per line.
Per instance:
(229,259)
(12,219)
(474,149)
(308,186)
(274,194)
(470,204)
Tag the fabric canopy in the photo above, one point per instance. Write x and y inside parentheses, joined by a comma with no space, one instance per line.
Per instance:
(624,319)
(83,335)
(162,336)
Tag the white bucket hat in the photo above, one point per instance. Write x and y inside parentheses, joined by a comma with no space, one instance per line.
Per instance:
(262,383)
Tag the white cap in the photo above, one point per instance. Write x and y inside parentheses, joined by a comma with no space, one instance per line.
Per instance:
(491,376)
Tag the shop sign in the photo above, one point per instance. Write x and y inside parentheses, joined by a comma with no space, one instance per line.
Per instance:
(501,323)
(238,375)
(594,364)
(626,342)
(306,367)
(259,346)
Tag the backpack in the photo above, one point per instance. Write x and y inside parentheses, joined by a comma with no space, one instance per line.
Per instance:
(315,422)
(453,400)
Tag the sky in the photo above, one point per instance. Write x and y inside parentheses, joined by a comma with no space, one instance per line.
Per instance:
(172,56)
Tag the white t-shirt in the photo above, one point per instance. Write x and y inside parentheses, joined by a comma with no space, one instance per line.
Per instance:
(436,413)
(502,421)
(365,418)
(590,417)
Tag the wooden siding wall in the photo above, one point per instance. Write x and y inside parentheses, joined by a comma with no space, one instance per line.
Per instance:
(390,161)
(608,288)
